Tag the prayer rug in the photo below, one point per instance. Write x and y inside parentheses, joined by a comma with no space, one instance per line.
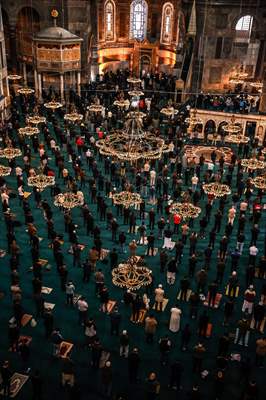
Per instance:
(155,252)
(209,331)
(142,315)
(110,305)
(104,254)
(189,291)
(17,381)
(50,306)
(227,291)
(165,302)
(25,319)
(2,253)
(23,338)
(218,298)
(65,349)
(46,290)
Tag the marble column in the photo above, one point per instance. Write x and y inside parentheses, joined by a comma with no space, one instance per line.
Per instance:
(7,87)
(62,87)
(25,74)
(40,85)
(36,85)
(78,83)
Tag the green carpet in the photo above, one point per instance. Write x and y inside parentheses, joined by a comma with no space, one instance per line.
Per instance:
(67,319)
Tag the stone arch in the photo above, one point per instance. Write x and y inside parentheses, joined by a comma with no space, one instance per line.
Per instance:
(210,126)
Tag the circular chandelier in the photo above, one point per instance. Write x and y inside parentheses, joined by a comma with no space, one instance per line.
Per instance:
(127,199)
(14,77)
(36,119)
(41,181)
(185,210)
(136,93)
(53,105)
(136,114)
(28,131)
(122,103)
(236,138)
(10,153)
(193,119)
(73,117)
(252,163)
(96,108)
(169,111)
(259,182)
(216,189)
(256,85)
(236,81)
(133,80)
(25,91)
(132,143)
(68,200)
(232,126)
(131,275)
(4,171)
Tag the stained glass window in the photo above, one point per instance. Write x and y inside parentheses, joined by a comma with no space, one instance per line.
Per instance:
(167,23)
(138,19)
(109,20)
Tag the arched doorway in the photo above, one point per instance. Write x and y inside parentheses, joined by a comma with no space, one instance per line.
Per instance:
(145,64)
(210,126)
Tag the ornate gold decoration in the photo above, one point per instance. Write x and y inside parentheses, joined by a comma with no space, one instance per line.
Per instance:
(122,103)
(136,114)
(259,182)
(4,171)
(185,210)
(10,153)
(41,181)
(256,85)
(133,80)
(252,163)
(169,111)
(14,77)
(96,108)
(136,93)
(36,119)
(53,105)
(54,13)
(25,91)
(236,138)
(193,119)
(127,199)
(73,117)
(131,274)
(68,200)
(132,143)
(28,131)
(196,151)
(216,189)
(232,127)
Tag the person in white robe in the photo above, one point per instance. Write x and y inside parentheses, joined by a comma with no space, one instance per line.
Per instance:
(174,324)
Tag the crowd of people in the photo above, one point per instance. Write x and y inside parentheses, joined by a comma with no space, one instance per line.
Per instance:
(200,320)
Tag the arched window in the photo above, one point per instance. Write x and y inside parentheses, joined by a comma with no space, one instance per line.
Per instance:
(244,23)
(167,23)
(109,11)
(138,19)
(243,27)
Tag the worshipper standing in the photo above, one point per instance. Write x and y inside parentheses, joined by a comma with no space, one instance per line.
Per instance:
(174,324)
(159,298)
